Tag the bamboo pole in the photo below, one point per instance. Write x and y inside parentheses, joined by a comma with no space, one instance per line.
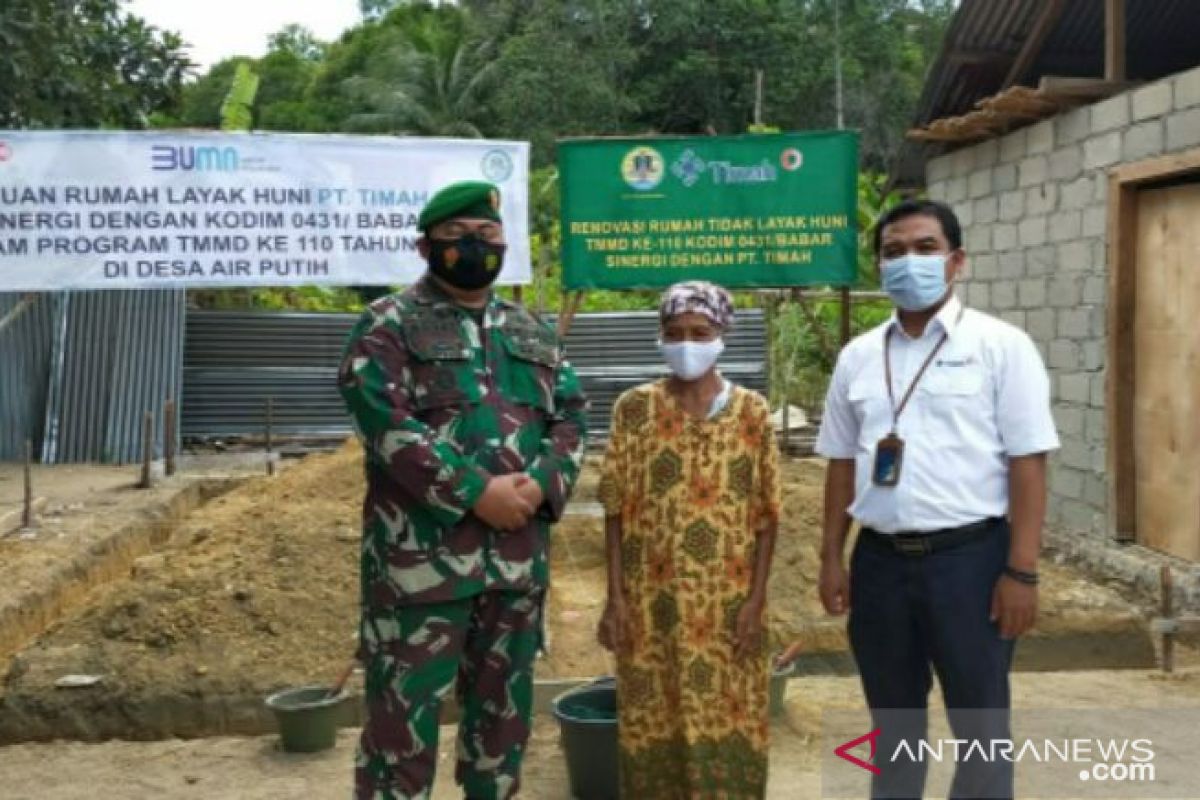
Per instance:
(269,434)
(771,309)
(1166,606)
(846,308)
(27,513)
(169,437)
(787,399)
(147,449)
(570,308)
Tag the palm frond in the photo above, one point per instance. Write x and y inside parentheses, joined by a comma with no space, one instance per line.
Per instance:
(430,81)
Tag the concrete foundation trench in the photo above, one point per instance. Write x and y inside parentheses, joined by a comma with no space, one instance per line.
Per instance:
(184,606)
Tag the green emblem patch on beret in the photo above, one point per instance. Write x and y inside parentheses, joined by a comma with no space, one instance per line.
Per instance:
(477,199)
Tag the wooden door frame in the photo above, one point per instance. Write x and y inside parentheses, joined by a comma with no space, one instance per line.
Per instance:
(1123,185)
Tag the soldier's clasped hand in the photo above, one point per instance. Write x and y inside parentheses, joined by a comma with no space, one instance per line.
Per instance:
(503,504)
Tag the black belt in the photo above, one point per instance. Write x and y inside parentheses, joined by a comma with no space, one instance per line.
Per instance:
(924,543)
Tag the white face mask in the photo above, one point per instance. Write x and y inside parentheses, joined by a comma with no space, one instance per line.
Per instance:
(915,282)
(691,360)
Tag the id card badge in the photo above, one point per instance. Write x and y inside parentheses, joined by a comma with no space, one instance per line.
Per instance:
(889,457)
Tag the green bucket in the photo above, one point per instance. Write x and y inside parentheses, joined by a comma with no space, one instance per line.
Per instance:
(587,719)
(308,717)
(779,679)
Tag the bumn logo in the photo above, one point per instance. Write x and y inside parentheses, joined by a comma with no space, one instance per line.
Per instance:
(844,751)
(5,152)
(199,159)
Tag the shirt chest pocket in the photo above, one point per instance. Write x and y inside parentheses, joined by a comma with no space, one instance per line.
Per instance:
(952,382)
(441,365)
(951,400)
(529,369)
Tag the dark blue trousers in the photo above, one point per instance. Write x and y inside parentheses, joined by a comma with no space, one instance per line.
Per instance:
(910,613)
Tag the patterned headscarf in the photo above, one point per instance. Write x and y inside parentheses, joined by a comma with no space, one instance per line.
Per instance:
(700,297)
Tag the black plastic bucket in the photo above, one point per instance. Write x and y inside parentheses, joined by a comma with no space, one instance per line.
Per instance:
(587,719)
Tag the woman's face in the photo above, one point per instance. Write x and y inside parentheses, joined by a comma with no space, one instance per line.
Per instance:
(689,327)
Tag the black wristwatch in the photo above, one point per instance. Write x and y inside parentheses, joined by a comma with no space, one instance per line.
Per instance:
(1020,576)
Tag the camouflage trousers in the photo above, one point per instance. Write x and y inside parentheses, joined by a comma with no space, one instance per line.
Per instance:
(486,645)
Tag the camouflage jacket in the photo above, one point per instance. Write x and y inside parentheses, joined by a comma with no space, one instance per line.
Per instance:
(440,405)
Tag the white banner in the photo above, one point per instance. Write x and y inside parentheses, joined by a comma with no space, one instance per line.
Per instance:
(101,210)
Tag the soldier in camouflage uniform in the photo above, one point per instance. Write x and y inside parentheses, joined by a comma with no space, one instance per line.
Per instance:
(473,426)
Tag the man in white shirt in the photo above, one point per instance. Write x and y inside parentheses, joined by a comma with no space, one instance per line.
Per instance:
(936,428)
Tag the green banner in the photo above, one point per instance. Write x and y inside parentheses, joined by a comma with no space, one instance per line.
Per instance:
(743,211)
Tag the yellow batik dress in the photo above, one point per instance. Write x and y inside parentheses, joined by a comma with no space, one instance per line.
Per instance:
(691,495)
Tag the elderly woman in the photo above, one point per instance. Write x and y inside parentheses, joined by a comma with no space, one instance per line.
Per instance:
(691,494)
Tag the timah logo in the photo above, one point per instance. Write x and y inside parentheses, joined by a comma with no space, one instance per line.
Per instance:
(844,751)
(198,159)
(688,168)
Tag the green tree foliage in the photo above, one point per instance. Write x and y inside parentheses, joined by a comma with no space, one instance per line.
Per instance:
(888,47)
(698,60)
(688,66)
(540,70)
(200,104)
(286,77)
(281,298)
(805,343)
(236,110)
(873,200)
(84,63)
(287,71)
(298,41)
(432,78)
(565,72)
(805,340)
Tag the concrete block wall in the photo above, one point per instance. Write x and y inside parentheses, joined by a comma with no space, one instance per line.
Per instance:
(1034,210)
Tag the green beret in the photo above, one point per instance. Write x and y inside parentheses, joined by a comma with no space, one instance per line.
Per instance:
(464,199)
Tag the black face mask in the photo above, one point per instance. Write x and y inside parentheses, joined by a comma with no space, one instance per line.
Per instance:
(467,262)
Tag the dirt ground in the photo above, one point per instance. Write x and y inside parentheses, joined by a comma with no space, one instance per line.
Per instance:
(254,768)
(257,590)
(93,498)
(1077,615)
(79,508)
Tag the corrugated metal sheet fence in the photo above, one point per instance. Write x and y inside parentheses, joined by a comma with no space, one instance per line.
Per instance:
(117,355)
(234,361)
(79,369)
(24,373)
